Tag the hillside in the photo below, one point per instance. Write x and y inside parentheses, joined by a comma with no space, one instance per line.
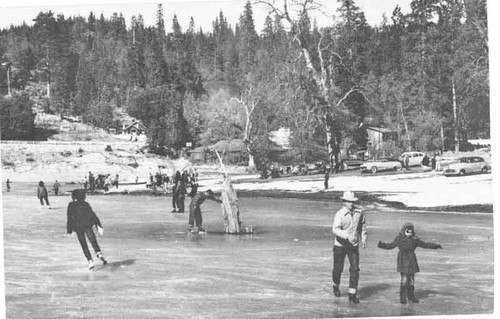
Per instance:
(74,149)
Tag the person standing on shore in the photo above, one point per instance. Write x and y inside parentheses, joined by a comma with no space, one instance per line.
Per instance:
(43,195)
(56,187)
(8,185)
(81,220)
(349,228)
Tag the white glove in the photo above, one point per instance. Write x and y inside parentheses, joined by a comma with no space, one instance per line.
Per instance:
(100,230)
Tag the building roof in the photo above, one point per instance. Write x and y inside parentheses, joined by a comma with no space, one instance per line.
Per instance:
(138,125)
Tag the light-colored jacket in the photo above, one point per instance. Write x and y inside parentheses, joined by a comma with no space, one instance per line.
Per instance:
(349,227)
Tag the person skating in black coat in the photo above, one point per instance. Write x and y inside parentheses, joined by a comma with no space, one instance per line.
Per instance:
(407,242)
(81,220)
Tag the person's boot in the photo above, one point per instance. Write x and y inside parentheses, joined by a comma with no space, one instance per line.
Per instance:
(411,291)
(402,294)
(353,298)
(101,257)
(336,291)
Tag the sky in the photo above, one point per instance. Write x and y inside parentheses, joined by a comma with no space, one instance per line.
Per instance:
(203,11)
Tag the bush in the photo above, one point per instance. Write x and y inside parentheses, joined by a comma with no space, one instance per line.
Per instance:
(80,150)
(108,148)
(7,163)
(18,119)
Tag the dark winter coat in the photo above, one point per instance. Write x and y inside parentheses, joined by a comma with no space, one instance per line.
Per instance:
(199,198)
(41,192)
(81,216)
(407,259)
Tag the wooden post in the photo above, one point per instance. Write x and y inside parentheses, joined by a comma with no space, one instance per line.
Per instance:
(230,207)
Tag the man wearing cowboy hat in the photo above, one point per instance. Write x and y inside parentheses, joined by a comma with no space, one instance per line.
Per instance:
(349,228)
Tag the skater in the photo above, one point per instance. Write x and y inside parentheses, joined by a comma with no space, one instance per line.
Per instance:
(175,191)
(195,210)
(56,187)
(85,182)
(407,241)
(349,228)
(181,192)
(91,181)
(43,195)
(81,219)
(117,180)
(8,185)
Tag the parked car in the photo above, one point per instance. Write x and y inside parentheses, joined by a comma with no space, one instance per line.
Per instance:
(415,158)
(467,165)
(382,164)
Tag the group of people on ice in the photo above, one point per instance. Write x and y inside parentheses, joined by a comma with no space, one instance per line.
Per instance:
(349,228)
(102,181)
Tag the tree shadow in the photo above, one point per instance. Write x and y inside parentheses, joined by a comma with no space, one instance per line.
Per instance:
(368,291)
(113,266)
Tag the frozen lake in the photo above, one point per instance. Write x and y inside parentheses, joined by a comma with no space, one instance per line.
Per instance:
(156,270)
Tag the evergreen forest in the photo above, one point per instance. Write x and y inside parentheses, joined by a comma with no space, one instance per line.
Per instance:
(423,75)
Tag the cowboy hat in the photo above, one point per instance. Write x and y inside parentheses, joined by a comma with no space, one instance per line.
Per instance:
(349,197)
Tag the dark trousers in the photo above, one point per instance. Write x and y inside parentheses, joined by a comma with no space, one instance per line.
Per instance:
(175,197)
(180,202)
(46,198)
(352,254)
(82,238)
(56,191)
(195,216)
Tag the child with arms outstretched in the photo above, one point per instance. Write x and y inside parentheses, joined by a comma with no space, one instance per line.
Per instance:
(407,241)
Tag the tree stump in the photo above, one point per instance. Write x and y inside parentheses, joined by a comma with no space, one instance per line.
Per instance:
(230,206)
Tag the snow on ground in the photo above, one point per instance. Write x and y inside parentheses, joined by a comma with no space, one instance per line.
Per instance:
(47,162)
(425,189)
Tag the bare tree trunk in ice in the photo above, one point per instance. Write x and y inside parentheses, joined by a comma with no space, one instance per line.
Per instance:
(230,205)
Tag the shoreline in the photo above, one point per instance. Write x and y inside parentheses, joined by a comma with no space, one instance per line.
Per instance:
(366,199)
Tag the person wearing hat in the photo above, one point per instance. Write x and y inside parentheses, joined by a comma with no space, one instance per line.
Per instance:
(195,210)
(81,219)
(349,228)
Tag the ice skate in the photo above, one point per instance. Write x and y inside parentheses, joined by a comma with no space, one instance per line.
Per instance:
(353,298)
(101,257)
(336,291)
(411,294)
